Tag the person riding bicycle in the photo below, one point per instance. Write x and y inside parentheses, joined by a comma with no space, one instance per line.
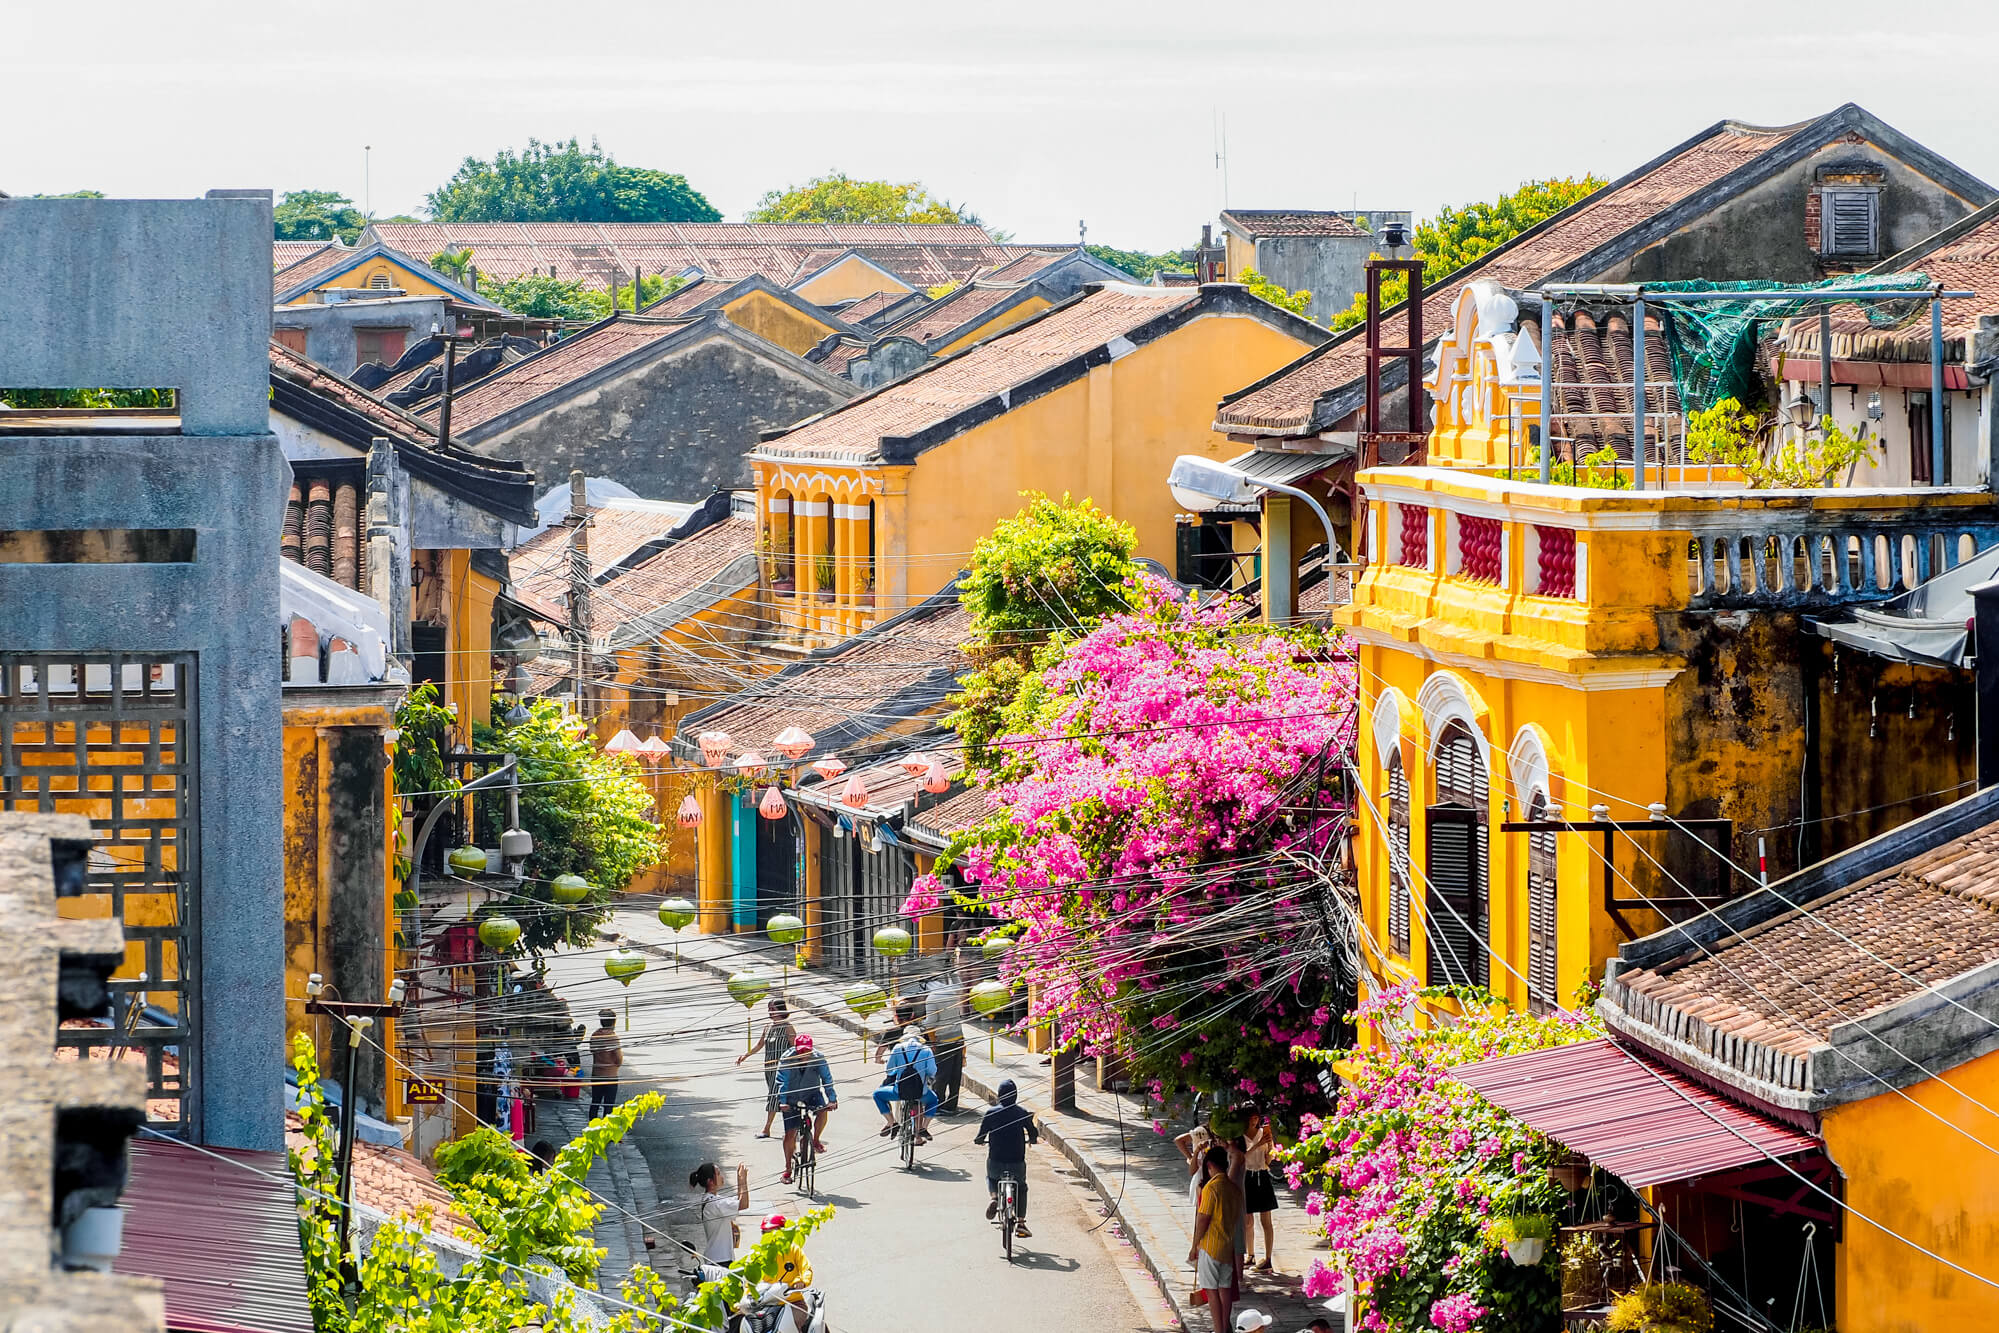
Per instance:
(804,1086)
(1006,1130)
(912,1071)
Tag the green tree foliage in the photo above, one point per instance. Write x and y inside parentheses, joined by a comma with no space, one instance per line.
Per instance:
(71,194)
(1138,263)
(453,263)
(543,297)
(1053,569)
(317,215)
(1458,236)
(23,399)
(1265,290)
(562,182)
(838,197)
(1731,435)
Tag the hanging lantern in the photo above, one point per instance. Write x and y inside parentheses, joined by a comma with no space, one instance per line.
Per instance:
(996,947)
(746,988)
(750,760)
(829,768)
(892,941)
(793,742)
(935,779)
(498,933)
(690,812)
(865,998)
(676,913)
(623,743)
(989,997)
(855,794)
(714,746)
(785,929)
(654,751)
(569,888)
(467,860)
(625,966)
(772,806)
(917,764)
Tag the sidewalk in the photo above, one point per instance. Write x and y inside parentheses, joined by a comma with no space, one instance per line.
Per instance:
(619,1177)
(1108,1138)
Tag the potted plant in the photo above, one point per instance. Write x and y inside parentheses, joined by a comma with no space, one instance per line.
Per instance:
(864,586)
(1524,1235)
(1570,1171)
(1661,1307)
(822,570)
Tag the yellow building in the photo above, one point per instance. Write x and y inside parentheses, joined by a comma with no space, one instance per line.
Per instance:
(337,273)
(783,318)
(873,506)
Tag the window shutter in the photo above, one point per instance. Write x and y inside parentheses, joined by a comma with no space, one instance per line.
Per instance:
(1451,924)
(1541,971)
(1398,858)
(1849,218)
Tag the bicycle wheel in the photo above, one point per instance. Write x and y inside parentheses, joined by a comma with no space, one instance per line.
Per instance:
(909,1143)
(1008,1218)
(808,1167)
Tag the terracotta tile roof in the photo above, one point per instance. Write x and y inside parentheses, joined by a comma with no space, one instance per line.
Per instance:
(859,312)
(1593,368)
(677,573)
(1964,258)
(393,1181)
(1291,222)
(674,305)
(553,369)
(889,787)
(289,365)
(839,355)
(286,253)
(324,521)
(1025,267)
(1283,403)
(855,431)
(955,813)
(538,569)
(951,315)
(306,266)
(921,254)
(900,669)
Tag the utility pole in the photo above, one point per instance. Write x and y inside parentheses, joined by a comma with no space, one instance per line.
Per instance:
(579,584)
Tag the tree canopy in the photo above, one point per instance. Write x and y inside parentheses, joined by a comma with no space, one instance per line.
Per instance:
(563,182)
(838,197)
(317,215)
(1458,236)
(543,297)
(1137,262)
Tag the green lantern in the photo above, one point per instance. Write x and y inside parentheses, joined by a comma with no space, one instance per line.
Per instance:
(988,998)
(866,998)
(746,988)
(625,965)
(467,860)
(498,933)
(996,947)
(892,941)
(785,929)
(677,914)
(569,888)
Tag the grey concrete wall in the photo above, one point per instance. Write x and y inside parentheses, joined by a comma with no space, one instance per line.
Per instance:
(673,429)
(329,329)
(1332,268)
(102,293)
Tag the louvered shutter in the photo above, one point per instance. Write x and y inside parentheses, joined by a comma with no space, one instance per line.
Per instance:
(1541,971)
(1398,858)
(1450,917)
(1849,218)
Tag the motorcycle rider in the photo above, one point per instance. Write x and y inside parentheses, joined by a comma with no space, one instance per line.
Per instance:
(1006,1130)
(912,1071)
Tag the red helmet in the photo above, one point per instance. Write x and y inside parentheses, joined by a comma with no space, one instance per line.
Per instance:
(804,1043)
(774,1222)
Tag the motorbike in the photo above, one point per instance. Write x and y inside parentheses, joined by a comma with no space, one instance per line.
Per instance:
(774,1308)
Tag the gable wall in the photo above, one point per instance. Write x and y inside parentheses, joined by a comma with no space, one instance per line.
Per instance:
(775,322)
(850,280)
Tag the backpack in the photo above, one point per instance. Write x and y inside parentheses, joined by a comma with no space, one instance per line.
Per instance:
(909,1082)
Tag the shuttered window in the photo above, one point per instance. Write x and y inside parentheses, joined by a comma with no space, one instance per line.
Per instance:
(1398,857)
(1849,219)
(1456,906)
(1541,971)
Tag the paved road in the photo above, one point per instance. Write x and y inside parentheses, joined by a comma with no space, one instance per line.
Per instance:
(904,1252)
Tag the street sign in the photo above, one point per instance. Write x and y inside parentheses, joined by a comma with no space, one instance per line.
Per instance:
(422,1092)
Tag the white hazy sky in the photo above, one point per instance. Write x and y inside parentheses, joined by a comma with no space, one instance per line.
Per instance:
(1035,114)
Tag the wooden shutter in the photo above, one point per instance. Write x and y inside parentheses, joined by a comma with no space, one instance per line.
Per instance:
(1849,218)
(1451,927)
(1398,857)
(1541,898)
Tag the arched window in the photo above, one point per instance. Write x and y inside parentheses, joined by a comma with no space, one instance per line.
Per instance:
(829,553)
(783,538)
(1398,857)
(1456,905)
(1541,896)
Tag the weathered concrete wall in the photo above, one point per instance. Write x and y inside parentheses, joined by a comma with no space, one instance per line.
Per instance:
(1332,268)
(673,429)
(329,329)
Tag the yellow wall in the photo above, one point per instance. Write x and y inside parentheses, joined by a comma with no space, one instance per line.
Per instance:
(1006,319)
(775,322)
(1925,1182)
(468,639)
(850,280)
(1238,255)
(400,277)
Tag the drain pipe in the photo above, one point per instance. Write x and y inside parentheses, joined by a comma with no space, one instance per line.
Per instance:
(1984,632)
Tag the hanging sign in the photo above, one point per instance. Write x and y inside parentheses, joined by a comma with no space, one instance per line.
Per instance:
(422,1092)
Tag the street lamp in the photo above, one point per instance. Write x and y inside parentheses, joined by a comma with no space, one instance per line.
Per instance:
(357,1018)
(1200,484)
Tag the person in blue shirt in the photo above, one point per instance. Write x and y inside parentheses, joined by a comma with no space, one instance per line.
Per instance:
(804,1087)
(912,1072)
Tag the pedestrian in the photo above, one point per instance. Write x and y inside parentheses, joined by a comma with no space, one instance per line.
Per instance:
(718,1211)
(1215,1248)
(944,1015)
(1193,1146)
(1259,1188)
(607,1057)
(778,1035)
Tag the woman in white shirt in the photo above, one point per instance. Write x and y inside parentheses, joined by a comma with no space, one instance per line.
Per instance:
(718,1211)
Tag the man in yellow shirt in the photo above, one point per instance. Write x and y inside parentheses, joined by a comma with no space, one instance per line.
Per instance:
(1214,1249)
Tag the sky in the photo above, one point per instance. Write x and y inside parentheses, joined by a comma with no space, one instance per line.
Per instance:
(1036,115)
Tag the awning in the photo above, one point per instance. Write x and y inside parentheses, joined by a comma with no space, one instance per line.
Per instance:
(1287,467)
(221,1234)
(1928,625)
(1637,1119)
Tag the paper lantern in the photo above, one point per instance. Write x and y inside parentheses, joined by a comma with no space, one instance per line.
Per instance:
(772,806)
(623,743)
(676,913)
(793,742)
(654,751)
(690,812)
(785,929)
(569,888)
(498,933)
(625,966)
(855,794)
(892,941)
(714,745)
(916,765)
(829,768)
(746,988)
(989,997)
(750,759)
(935,779)
(997,947)
(864,998)
(467,860)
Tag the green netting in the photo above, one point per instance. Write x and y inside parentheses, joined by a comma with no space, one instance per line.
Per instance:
(1713,343)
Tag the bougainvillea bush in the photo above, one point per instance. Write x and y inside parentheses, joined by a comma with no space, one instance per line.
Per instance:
(1169,788)
(1412,1168)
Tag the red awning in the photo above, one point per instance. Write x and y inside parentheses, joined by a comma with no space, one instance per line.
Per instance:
(223,1238)
(1637,1119)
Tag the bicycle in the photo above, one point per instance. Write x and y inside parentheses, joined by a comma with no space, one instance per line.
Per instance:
(1009,1213)
(805,1162)
(906,1134)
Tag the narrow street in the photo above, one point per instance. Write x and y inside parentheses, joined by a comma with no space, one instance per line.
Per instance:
(904,1251)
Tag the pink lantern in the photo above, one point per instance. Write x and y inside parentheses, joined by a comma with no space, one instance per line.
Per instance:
(751,760)
(935,779)
(772,806)
(654,751)
(793,742)
(714,745)
(690,812)
(829,768)
(916,765)
(855,794)
(623,743)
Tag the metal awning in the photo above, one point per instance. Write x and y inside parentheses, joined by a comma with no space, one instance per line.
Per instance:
(1929,624)
(1641,1121)
(1288,467)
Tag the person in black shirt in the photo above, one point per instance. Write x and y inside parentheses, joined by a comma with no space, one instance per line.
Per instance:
(1006,1130)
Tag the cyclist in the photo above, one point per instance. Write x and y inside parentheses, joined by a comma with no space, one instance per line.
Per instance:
(1006,1130)
(912,1072)
(804,1087)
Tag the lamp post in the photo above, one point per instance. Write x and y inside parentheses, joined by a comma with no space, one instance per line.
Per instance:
(357,1018)
(1200,484)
